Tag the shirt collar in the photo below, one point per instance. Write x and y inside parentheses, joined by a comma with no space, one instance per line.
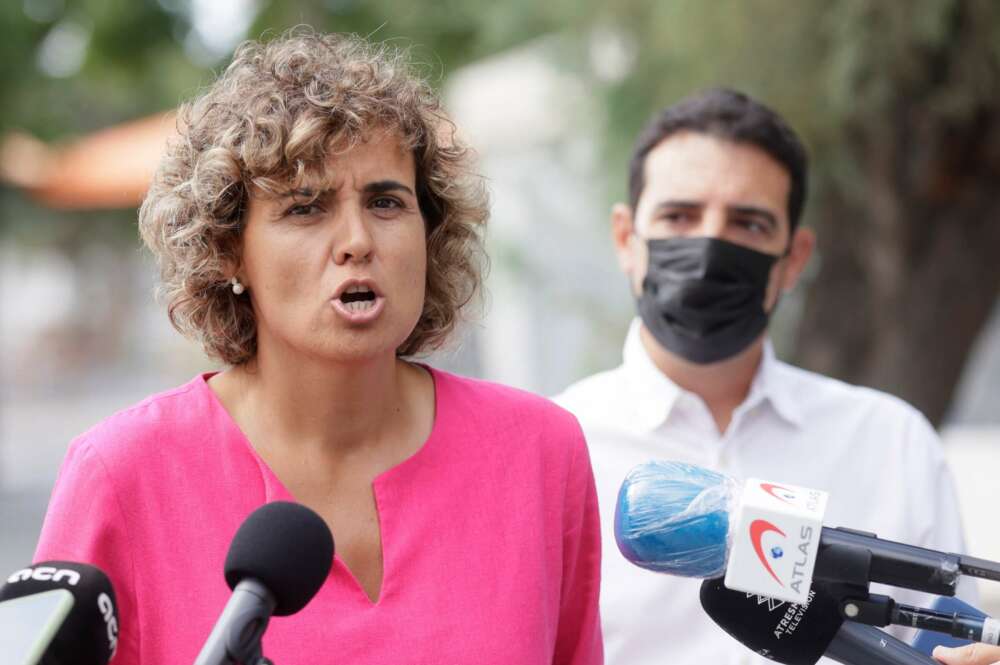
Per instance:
(654,395)
(772,385)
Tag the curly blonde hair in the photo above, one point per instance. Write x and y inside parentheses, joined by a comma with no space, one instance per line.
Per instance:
(269,121)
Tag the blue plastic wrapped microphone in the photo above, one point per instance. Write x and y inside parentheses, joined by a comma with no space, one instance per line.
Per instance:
(674,518)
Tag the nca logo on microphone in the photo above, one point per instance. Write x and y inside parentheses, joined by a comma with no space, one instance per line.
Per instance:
(107,610)
(45,574)
(775,540)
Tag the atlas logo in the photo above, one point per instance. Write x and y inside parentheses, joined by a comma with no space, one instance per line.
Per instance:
(760,527)
(757,530)
(107,609)
(778,492)
(45,574)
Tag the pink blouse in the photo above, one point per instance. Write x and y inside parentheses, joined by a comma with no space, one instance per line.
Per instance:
(490,536)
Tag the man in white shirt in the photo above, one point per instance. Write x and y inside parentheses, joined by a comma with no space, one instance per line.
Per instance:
(709,242)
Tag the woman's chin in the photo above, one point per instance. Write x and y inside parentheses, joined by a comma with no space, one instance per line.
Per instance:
(360,347)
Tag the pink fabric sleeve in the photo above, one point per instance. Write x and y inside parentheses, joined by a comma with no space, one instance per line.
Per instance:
(85,523)
(579,639)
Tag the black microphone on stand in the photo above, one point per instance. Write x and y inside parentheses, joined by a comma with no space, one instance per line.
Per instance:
(802,634)
(278,560)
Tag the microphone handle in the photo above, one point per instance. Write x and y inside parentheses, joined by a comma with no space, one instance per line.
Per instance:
(956,624)
(236,635)
(858,644)
(856,557)
(982,568)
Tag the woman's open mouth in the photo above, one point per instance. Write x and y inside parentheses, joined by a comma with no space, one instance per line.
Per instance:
(358,303)
(358,298)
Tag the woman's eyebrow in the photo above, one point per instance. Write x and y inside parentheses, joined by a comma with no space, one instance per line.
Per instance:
(377,187)
(303,193)
(381,186)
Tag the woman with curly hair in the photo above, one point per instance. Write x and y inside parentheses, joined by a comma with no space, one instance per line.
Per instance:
(316,224)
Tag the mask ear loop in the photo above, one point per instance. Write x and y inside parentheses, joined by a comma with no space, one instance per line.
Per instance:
(791,239)
(784,255)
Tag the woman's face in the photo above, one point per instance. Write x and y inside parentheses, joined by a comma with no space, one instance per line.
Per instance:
(339,274)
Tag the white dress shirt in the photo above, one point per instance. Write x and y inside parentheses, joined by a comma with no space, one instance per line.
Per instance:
(879,459)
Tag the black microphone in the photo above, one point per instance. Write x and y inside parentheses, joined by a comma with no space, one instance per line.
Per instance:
(879,610)
(86,634)
(278,560)
(802,634)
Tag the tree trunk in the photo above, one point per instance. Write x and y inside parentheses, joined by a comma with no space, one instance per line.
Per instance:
(910,257)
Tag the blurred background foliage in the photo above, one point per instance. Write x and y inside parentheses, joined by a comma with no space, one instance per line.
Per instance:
(898,102)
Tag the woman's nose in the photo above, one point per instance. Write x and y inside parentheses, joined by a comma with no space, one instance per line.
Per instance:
(355,244)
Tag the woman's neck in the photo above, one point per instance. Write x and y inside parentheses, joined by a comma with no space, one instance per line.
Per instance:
(332,408)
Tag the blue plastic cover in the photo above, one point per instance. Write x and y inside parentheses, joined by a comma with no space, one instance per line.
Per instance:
(673,518)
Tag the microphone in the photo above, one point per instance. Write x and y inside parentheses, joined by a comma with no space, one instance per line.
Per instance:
(58,613)
(978,627)
(802,634)
(680,519)
(949,616)
(673,518)
(278,560)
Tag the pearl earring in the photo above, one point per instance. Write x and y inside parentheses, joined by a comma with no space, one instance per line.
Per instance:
(237,287)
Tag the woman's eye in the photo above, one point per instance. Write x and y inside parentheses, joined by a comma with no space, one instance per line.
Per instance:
(386,206)
(386,203)
(302,209)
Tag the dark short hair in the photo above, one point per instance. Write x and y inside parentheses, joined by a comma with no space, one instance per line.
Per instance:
(734,116)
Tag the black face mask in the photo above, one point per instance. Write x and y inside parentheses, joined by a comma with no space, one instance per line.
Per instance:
(703,298)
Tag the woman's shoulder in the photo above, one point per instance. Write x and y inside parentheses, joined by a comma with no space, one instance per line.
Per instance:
(497,396)
(495,407)
(169,417)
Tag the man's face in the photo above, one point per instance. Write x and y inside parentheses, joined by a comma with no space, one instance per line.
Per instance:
(700,185)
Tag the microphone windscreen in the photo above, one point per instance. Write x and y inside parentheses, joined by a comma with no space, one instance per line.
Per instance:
(286,547)
(89,633)
(782,631)
(673,518)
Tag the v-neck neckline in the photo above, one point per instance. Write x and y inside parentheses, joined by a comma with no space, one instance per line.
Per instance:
(275,489)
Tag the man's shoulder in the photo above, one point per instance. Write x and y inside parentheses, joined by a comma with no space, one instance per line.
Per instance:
(593,395)
(824,399)
(814,388)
